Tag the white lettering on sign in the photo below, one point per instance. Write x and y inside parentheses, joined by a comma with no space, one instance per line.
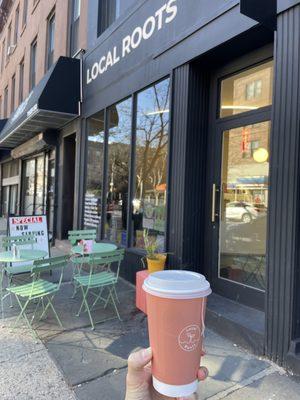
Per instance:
(164,15)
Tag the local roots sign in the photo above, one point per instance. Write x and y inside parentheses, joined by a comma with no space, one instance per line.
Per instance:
(164,15)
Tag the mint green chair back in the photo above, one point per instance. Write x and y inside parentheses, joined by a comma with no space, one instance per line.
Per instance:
(75,236)
(106,260)
(8,241)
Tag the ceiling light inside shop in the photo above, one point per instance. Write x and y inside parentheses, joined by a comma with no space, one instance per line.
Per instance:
(239,108)
(261,155)
(158,112)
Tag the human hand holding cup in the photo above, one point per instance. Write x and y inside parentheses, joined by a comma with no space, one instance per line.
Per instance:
(176,303)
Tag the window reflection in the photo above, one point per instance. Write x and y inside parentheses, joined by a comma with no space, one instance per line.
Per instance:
(152,123)
(29,186)
(244,204)
(94,171)
(119,142)
(247,91)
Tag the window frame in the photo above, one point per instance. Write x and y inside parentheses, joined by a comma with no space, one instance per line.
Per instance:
(12,93)
(5,103)
(24,13)
(50,54)
(131,175)
(32,72)
(21,80)
(16,28)
(104,22)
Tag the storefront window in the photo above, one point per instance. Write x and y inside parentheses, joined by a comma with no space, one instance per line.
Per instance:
(152,125)
(94,171)
(119,144)
(29,186)
(10,180)
(247,90)
(244,204)
(39,195)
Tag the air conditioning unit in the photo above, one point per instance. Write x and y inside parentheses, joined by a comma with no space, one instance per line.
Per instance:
(11,49)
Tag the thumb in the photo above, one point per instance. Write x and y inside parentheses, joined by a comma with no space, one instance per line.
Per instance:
(139,359)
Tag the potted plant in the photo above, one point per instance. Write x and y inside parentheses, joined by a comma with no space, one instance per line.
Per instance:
(155,261)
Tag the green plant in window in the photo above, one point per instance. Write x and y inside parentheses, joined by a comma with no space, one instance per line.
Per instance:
(151,245)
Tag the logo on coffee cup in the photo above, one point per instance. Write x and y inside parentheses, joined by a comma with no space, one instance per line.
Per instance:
(189,338)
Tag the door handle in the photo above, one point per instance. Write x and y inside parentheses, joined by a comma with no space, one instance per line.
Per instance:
(215,189)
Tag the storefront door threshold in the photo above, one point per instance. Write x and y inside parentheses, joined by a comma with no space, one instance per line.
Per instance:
(242,325)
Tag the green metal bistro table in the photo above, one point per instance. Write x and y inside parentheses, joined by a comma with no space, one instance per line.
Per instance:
(26,255)
(97,248)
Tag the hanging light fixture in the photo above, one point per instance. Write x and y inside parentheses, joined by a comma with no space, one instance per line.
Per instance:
(261,155)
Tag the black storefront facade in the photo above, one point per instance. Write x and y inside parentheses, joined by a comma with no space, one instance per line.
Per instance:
(190,127)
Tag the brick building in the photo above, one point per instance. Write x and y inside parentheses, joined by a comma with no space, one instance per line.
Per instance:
(34,35)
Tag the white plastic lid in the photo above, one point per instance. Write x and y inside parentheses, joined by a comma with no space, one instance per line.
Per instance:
(177,284)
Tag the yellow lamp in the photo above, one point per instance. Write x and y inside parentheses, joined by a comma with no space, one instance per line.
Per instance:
(261,155)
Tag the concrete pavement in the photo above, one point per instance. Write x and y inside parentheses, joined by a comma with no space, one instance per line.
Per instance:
(78,363)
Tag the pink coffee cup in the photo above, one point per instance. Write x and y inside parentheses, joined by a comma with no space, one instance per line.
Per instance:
(176,303)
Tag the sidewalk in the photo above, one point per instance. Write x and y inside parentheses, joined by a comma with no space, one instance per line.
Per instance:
(78,363)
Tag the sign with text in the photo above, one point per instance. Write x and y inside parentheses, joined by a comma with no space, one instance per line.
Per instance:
(31,225)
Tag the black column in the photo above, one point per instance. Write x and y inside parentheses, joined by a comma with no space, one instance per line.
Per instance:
(188,160)
(283,228)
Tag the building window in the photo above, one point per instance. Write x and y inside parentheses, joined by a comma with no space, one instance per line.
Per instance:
(35,183)
(16,32)
(10,175)
(119,150)
(32,78)
(2,57)
(111,141)
(247,90)
(253,90)
(21,81)
(94,177)
(108,12)
(8,40)
(151,159)
(12,97)
(75,27)
(50,40)
(5,103)
(25,10)
(0,107)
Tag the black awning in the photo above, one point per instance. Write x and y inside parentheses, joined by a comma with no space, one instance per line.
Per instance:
(50,105)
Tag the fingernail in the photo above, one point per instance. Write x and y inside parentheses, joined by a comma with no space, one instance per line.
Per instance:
(147,353)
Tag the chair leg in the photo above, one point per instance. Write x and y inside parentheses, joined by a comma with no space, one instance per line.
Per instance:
(54,312)
(111,295)
(117,297)
(114,303)
(10,278)
(97,298)
(84,301)
(23,314)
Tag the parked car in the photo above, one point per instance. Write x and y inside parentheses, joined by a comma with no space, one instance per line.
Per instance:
(240,211)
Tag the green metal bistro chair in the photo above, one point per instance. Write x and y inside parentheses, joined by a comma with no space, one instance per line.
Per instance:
(100,280)
(75,236)
(12,270)
(39,291)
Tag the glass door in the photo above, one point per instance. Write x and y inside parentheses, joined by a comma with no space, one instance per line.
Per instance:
(244,205)
(240,152)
